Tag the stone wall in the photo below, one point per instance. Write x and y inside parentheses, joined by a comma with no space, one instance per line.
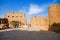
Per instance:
(39,21)
(54,14)
(16,16)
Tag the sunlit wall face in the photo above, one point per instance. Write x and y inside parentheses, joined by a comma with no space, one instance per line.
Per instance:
(16,16)
(54,14)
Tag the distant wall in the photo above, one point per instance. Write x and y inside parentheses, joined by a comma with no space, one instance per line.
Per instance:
(39,21)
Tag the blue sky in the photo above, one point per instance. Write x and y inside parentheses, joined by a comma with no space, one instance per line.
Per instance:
(30,7)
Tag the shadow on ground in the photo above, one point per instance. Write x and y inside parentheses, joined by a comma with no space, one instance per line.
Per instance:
(26,35)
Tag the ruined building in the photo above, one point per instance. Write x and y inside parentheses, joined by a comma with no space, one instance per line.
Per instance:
(41,22)
(17,17)
(54,14)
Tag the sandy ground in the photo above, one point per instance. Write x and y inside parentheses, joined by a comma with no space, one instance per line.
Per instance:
(28,35)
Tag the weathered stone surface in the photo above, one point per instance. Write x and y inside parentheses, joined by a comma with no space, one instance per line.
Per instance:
(54,14)
(16,16)
(39,21)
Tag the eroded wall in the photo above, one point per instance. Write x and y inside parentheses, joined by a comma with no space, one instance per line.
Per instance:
(16,16)
(54,14)
(39,21)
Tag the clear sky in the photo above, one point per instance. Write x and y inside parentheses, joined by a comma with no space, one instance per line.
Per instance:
(30,7)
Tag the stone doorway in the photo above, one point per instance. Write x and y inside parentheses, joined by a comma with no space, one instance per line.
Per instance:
(15,24)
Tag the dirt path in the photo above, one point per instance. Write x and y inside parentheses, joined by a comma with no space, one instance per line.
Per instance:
(26,35)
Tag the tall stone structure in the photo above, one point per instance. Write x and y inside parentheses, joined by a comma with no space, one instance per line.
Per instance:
(39,21)
(54,14)
(16,16)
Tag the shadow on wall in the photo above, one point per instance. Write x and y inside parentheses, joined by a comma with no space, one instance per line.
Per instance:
(55,27)
(4,24)
(16,23)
